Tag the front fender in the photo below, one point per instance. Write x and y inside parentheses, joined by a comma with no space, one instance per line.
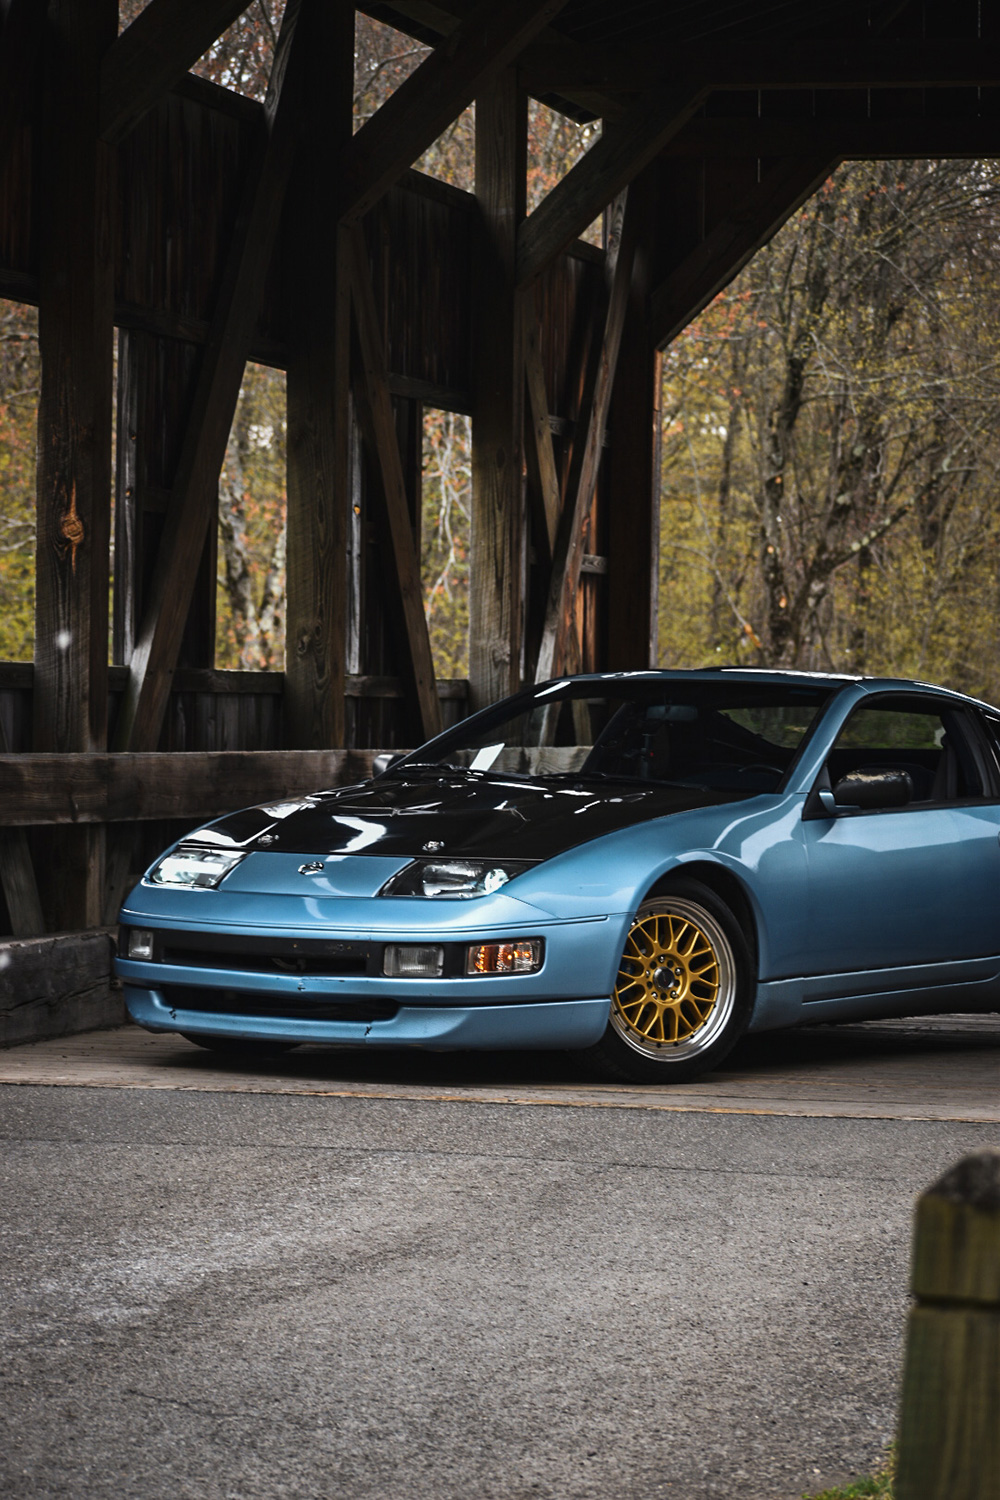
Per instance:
(758,842)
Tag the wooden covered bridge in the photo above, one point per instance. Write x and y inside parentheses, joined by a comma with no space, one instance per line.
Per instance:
(201,229)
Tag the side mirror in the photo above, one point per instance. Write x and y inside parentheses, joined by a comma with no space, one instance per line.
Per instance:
(384,761)
(873,789)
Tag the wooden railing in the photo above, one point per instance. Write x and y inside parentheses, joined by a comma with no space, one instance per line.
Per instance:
(221,750)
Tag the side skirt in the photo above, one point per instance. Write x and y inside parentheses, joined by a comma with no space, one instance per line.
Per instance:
(924,989)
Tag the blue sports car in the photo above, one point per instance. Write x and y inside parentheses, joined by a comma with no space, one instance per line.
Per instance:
(644,865)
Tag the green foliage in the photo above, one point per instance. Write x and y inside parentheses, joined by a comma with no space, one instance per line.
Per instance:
(19,384)
(878,1486)
(250,594)
(444,563)
(829,448)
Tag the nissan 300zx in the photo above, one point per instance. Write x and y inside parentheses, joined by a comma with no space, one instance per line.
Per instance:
(640,865)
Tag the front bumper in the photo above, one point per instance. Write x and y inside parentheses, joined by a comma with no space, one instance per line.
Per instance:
(565,1003)
(546,1024)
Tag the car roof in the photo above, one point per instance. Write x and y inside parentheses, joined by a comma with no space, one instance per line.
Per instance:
(773,675)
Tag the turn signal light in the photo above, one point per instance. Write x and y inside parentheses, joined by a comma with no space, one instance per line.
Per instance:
(518,956)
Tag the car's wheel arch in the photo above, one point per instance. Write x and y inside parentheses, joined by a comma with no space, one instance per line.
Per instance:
(722,883)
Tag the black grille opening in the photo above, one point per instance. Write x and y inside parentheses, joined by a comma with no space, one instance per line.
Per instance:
(297,1007)
(254,953)
(335,965)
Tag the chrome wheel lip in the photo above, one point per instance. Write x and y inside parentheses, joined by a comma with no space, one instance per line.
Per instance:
(725,1002)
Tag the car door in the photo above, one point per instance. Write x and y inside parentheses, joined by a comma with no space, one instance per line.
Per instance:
(900,887)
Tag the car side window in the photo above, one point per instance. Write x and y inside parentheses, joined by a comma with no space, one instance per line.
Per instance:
(934,745)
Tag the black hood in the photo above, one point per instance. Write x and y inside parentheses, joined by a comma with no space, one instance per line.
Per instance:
(470,814)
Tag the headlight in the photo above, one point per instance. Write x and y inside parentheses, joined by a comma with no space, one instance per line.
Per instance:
(201,868)
(454,879)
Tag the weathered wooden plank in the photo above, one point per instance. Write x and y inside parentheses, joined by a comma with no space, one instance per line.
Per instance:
(22,23)
(109,788)
(319,395)
(17,874)
(541,452)
(610,164)
(693,283)
(376,410)
(913,136)
(194,504)
(17,676)
(828,62)
(424,105)
(156,379)
(166,38)
(446,398)
(20,889)
(633,467)
(76,332)
(441,17)
(496,592)
(949,1432)
(570,545)
(53,986)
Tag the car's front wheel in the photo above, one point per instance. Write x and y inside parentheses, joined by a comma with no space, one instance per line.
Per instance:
(684,989)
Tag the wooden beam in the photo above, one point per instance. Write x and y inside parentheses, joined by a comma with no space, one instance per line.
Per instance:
(560,615)
(91,789)
(849,136)
(377,416)
(428,101)
(845,63)
(610,164)
(56,985)
(633,467)
(319,394)
(76,345)
(436,20)
(166,38)
(17,880)
(17,874)
(496,590)
(233,682)
(20,44)
(194,503)
(826,63)
(156,380)
(542,458)
(693,283)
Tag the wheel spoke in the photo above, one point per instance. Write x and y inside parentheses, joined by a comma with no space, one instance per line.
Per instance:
(669,980)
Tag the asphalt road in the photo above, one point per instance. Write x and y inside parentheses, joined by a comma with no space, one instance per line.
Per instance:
(213,1294)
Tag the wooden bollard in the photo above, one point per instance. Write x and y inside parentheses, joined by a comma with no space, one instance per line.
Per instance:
(949,1428)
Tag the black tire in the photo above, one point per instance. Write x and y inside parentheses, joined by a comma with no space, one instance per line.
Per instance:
(238,1046)
(684,991)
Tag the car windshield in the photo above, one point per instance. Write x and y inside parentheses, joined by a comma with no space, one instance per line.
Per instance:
(723,734)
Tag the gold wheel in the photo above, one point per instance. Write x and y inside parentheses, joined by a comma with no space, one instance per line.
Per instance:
(676,986)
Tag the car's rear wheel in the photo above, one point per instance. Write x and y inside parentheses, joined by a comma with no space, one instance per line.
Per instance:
(684,989)
(238,1046)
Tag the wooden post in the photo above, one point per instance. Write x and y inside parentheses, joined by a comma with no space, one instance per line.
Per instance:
(76,333)
(194,503)
(949,1431)
(497,571)
(156,383)
(319,404)
(633,463)
(559,644)
(17,874)
(379,424)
